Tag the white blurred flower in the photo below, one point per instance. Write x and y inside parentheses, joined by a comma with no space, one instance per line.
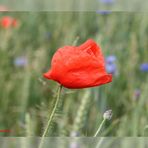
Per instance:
(107,115)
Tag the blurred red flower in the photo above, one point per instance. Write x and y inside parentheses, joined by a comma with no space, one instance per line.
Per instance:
(15,23)
(79,67)
(7,22)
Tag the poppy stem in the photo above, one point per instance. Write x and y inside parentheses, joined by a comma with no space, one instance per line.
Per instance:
(100,127)
(51,117)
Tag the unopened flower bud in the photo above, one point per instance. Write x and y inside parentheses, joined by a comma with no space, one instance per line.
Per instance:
(107,115)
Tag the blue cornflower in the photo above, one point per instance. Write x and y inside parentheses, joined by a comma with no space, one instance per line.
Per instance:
(111,59)
(111,68)
(20,61)
(107,1)
(144,67)
(103,12)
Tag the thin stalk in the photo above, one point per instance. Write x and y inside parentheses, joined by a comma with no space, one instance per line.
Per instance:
(51,117)
(100,142)
(100,127)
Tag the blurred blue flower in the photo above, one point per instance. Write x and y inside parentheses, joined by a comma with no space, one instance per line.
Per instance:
(20,61)
(103,12)
(111,68)
(111,59)
(144,67)
(107,1)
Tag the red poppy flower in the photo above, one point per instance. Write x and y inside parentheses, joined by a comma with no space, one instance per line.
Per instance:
(79,67)
(7,22)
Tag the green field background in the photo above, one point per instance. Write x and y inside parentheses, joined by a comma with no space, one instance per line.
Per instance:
(26,98)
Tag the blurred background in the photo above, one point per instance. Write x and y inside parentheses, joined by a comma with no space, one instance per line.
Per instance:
(76,5)
(28,41)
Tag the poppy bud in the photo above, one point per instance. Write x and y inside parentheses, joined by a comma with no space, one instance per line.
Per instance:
(79,66)
(107,115)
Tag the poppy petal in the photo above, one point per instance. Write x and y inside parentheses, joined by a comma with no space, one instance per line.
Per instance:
(47,75)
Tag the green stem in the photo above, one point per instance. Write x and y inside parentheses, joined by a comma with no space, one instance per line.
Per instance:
(100,127)
(51,117)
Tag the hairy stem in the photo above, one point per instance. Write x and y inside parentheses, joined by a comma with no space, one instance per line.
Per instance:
(51,117)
